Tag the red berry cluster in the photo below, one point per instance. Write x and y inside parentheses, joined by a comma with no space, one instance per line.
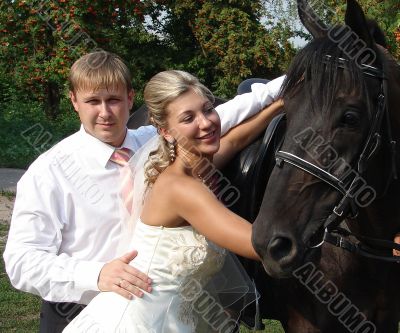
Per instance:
(397,34)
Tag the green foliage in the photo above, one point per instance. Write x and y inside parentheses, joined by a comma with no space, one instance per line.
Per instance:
(25,131)
(220,41)
(10,195)
(239,45)
(224,42)
(386,13)
(40,39)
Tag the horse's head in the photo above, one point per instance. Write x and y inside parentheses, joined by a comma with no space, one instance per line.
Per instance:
(333,94)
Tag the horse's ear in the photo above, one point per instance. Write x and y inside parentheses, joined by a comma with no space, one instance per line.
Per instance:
(356,20)
(310,20)
(377,33)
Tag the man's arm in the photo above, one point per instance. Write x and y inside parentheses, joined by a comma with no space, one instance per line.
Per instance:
(32,255)
(238,109)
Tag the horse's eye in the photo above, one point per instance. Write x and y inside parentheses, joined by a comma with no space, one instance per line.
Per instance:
(351,119)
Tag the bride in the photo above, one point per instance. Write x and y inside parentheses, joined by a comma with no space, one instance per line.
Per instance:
(181,230)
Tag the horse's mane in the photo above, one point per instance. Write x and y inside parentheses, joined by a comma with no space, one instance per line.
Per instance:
(392,65)
(322,79)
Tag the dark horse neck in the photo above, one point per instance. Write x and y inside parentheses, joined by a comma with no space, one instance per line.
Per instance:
(385,209)
(380,219)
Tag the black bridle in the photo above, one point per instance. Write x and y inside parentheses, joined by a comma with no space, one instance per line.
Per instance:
(333,234)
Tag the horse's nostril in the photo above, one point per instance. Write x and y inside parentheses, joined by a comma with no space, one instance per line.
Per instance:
(280,247)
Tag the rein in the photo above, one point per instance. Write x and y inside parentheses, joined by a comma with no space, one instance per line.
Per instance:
(333,234)
(367,247)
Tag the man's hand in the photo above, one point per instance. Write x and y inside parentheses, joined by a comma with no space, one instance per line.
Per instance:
(118,276)
(396,240)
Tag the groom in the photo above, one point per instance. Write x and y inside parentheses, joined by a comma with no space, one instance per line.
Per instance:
(67,219)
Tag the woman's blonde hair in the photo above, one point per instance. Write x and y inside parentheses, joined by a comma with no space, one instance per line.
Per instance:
(99,70)
(160,91)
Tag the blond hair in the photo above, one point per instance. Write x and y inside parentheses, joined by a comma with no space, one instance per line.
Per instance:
(99,70)
(160,91)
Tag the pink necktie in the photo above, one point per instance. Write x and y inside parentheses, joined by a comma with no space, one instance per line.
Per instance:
(121,157)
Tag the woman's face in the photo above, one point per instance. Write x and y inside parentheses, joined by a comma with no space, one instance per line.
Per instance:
(195,125)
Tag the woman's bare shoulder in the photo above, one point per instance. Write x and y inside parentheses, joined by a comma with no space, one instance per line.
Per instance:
(179,184)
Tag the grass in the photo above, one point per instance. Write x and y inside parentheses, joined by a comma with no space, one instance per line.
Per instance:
(10,195)
(19,311)
(271,326)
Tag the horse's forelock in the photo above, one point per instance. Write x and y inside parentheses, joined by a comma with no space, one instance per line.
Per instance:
(321,78)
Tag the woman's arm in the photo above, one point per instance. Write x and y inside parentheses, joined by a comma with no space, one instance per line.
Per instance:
(245,133)
(198,206)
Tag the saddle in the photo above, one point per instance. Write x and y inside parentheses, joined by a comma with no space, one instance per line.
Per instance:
(250,170)
(138,118)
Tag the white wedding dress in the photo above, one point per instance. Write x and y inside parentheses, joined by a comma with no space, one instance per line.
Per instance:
(180,262)
(197,286)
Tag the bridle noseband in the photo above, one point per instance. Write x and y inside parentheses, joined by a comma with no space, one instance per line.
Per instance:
(368,247)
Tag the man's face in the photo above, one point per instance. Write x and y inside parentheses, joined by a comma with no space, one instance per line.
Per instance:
(104,113)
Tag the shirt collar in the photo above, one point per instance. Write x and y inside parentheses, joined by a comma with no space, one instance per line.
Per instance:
(101,151)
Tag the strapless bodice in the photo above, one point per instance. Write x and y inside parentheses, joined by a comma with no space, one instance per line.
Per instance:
(172,255)
(180,262)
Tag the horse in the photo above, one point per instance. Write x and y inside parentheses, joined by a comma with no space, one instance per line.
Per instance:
(330,208)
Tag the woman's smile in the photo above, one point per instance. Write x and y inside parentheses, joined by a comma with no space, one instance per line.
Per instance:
(209,137)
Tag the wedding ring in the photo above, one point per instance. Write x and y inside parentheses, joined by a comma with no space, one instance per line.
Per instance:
(120,282)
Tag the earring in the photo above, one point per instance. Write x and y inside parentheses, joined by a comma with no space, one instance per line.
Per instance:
(171,146)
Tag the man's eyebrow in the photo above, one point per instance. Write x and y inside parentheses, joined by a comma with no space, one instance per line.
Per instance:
(94,96)
(88,98)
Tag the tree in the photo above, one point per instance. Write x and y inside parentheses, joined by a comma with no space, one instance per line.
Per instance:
(221,41)
(386,13)
(225,42)
(40,39)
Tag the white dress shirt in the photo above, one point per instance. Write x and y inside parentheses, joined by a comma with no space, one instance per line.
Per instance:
(234,111)
(66,222)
